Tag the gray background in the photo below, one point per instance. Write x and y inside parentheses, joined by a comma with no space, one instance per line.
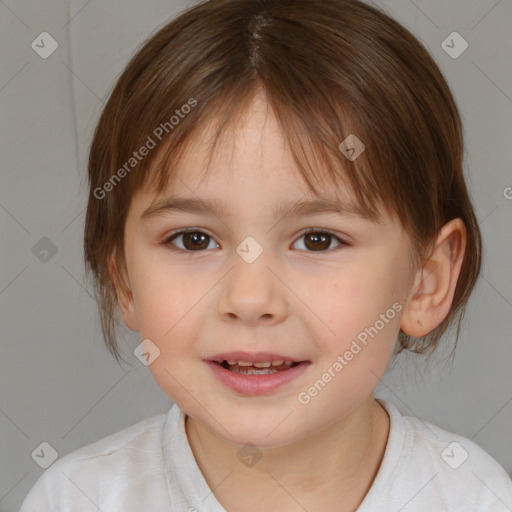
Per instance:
(57,381)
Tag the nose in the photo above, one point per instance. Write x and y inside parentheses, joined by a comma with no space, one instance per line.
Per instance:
(252,294)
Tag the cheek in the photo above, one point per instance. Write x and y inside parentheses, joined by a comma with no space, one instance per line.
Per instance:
(161,297)
(360,306)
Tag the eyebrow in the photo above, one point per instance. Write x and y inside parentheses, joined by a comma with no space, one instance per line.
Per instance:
(282,209)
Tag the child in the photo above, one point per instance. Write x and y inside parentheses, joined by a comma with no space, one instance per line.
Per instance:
(277,201)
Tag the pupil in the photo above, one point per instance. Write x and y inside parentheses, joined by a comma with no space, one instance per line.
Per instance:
(318,237)
(196,240)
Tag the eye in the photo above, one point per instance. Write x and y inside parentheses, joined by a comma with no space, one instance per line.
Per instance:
(318,240)
(193,241)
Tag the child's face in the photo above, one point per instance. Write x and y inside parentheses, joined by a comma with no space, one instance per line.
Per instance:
(304,297)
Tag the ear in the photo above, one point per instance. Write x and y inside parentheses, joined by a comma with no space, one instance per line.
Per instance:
(125,300)
(434,285)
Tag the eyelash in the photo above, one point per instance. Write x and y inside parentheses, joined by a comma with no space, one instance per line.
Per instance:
(168,241)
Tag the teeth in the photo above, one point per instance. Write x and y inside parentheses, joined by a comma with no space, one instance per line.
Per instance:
(254,371)
(265,364)
(262,365)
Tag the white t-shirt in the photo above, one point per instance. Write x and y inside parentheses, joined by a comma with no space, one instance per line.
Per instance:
(151,467)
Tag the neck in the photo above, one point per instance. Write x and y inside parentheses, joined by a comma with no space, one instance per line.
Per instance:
(348,451)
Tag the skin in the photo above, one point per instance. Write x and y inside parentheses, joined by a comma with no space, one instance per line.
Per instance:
(292,299)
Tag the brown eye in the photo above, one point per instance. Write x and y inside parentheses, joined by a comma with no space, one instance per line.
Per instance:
(191,240)
(197,241)
(319,241)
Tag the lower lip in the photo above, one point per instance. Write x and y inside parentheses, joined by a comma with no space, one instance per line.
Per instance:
(256,384)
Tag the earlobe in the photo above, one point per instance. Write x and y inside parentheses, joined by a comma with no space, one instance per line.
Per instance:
(434,285)
(124,294)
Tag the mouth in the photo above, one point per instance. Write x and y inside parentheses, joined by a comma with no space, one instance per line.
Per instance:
(259,373)
(255,363)
(261,368)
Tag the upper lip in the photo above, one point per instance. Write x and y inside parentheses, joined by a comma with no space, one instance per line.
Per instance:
(258,357)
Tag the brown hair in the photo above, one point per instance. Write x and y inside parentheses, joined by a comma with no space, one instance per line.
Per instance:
(328,68)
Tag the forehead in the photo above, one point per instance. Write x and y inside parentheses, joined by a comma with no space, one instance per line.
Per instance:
(269,186)
(252,150)
(251,145)
(251,162)
(263,196)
